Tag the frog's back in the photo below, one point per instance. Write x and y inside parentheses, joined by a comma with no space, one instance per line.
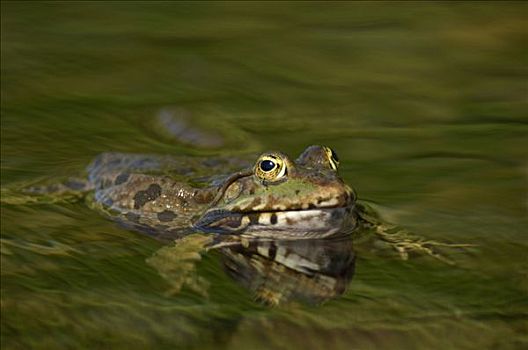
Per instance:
(143,191)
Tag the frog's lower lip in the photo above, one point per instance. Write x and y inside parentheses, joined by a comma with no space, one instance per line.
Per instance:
(310,222)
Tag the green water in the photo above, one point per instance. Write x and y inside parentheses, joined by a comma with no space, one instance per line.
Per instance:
(425,104)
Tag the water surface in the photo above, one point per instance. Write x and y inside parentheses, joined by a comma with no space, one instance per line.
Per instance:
(425,104)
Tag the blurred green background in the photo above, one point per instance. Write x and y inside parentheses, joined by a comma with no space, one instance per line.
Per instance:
(425,104)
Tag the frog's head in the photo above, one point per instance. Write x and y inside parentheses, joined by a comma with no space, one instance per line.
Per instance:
(282,198)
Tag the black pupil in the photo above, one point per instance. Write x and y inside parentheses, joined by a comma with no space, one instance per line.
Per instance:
(267,165)
(334,155)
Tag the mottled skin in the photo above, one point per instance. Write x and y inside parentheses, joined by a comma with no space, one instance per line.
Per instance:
(149,193)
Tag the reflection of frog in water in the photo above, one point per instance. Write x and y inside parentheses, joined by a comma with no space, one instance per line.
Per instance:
(276,271)
(276,198)
(311,270)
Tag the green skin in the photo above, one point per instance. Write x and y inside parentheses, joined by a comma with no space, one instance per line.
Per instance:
(141,192)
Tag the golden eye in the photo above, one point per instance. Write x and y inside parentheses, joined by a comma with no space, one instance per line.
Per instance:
(332,157)
(270,168)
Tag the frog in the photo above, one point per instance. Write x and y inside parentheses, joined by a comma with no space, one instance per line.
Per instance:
(284,227)
(257,218)
(276,197)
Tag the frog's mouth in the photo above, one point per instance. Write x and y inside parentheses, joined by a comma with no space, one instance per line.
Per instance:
(309,223)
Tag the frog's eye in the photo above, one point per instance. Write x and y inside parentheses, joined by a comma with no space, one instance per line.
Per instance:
(270,168)
(332,158)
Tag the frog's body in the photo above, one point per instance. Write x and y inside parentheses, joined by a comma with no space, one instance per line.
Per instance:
(141,191)
(296,199)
